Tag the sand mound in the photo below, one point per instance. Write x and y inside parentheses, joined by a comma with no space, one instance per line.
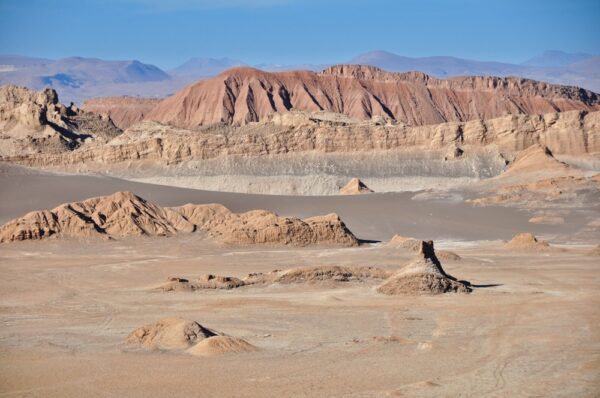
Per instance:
(448,255)
(169,334)
(595,251)
(405,242)
(355,187)
(330,273)
(547,220)
(182,334)
(527,241)
(125,214)
(219,345)
(424,275)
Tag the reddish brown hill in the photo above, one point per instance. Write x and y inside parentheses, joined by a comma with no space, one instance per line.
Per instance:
(243,95)
(124,111)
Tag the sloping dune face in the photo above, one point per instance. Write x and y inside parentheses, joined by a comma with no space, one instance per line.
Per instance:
(242,95)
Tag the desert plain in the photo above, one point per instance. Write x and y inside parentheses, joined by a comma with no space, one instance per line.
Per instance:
(529,328)
(347,233)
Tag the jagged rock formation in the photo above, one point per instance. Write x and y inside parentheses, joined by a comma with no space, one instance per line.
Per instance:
(125,214)
(179,334)
(355,187)
(424,275)
(123,111)
(33,122)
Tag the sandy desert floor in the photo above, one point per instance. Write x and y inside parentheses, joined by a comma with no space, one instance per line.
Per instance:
(530,328)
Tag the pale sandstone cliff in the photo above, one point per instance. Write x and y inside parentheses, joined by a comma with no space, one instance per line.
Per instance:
(575,132)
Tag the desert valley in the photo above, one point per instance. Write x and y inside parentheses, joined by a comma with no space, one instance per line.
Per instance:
(348,231)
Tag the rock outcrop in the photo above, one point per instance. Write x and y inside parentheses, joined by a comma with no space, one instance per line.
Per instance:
(263,227)
(124,111)
(424,275)
(355,187)
(125,214)
(243,95)
(33,122)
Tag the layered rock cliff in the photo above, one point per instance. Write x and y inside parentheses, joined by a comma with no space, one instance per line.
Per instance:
(242,95)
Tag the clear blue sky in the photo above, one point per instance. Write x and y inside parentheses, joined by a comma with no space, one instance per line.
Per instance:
(167,32)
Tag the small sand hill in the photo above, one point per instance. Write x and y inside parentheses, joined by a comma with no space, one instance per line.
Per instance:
(125,214)
(595,251)
(355,187)
(219,345)
(405,242)
(527,241)
(424,275)
(182,334)
(413,244)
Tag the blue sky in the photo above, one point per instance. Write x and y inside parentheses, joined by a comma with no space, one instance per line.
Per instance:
(167,32)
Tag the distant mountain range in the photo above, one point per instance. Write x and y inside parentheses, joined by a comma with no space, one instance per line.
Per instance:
(77,78)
